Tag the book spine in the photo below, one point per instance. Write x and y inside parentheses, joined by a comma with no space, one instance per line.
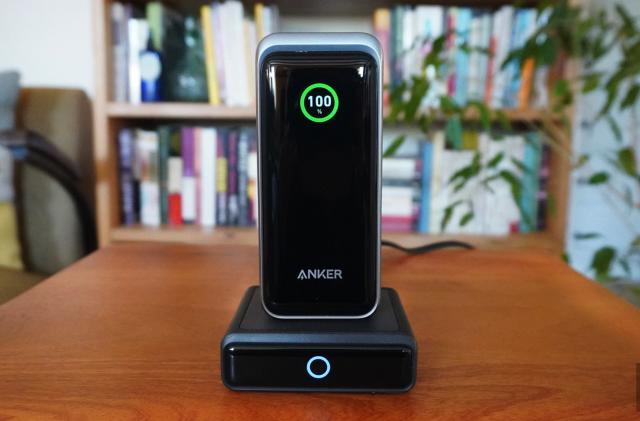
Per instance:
(147,148)
(543,187)
(425,196)
(127,180)
(189,195)
(252,183)
(209,54)
(174,189)
(530,183)
(164,138)
(135,80)
(207,159)
(463,28)
(119,39)
(232,184)
(218,50)
(221,178)
(382,28)
(243,198)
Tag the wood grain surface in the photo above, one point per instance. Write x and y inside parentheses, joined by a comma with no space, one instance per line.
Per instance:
(133,332)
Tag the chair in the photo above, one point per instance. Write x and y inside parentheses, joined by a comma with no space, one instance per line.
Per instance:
(53,178)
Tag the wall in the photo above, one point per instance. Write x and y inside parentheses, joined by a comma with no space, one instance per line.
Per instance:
(49,42)
(594,208)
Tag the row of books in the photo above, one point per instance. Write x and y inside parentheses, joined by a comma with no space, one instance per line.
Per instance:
(188,175)
(145,49)
(418,187)
(208,176)
(477,42)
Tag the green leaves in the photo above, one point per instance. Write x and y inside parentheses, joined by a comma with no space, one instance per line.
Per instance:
(631,97)
(627,161)
(615,128)
(419,89)
(602,261)
(448,213)
(599,178)
(497,158)
(590,82)
(628,25)
(515,185)
(464,174)
(394,146)
(586,236)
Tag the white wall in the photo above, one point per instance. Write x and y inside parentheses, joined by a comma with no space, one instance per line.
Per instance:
(48,41)
(594,208)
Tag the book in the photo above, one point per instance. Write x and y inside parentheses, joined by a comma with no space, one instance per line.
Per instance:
(530,182)
(381,29)
(147,157)
(137,28)
(120,15)
(174,190)
(233,209)
(164,150)
(222,172)
(252,180)
(188,186)
(218,50)
(463,29)
(243,178)
(207,157)
(209,54)
(425,194)
(128,185)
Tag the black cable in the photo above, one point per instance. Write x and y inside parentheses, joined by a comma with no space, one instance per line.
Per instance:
(427,248)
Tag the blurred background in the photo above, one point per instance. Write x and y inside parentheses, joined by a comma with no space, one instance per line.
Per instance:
(507,124)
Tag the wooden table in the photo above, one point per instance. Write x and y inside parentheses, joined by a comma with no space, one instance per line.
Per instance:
(133,331)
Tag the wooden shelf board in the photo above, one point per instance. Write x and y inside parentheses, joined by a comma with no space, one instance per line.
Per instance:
(192,234)
(180,110)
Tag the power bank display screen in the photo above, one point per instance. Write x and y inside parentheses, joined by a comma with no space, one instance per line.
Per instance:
(319,164)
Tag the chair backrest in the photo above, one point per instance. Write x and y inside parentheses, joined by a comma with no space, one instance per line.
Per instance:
(51,231)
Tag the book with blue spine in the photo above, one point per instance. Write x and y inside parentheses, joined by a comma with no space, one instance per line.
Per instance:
(463,28)
(530,182)
(425,195)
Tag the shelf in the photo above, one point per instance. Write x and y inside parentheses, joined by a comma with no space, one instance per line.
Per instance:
(180,110)
(202,111)
(363,8)
(191,234)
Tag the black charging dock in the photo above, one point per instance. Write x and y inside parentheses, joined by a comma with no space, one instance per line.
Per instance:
(376,354)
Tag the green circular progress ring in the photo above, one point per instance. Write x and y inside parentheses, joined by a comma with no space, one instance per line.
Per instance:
(335,102)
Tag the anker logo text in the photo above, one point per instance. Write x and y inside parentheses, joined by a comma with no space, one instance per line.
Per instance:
(320,274)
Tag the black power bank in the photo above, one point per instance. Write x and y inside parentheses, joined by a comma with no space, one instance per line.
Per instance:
(376,354)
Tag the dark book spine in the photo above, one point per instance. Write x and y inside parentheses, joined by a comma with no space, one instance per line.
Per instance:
(232,185)
(243,178)
(164,136)
(128,190)
(543,188)
(221,178)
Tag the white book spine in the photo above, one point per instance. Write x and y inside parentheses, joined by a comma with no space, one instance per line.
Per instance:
(174,164)
(239,60)
(207,157)
(228,45)
(134,59)
(189,200)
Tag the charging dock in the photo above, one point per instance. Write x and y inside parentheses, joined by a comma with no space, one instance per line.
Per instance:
(376,354)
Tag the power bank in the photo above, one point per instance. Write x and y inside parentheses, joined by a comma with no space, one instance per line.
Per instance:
(319,126)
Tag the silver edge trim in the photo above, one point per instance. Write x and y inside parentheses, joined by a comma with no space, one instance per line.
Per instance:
(320,41)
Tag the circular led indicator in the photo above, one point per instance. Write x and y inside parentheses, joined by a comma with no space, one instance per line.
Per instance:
(323,361)
(319,102)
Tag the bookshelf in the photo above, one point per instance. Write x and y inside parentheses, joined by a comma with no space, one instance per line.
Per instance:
(110,116)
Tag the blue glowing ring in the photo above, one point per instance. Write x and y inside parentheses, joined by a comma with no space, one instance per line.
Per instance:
(318,376)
